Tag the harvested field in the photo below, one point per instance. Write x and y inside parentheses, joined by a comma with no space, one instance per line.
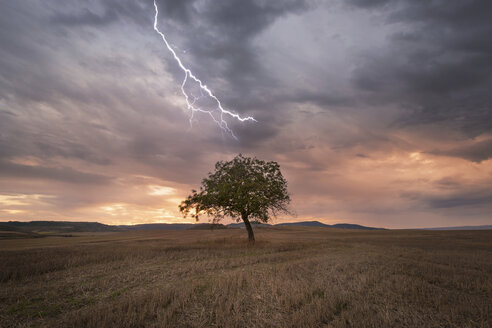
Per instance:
(291,277)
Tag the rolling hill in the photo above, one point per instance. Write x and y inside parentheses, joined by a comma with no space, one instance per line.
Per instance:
(58,226)
(34,228)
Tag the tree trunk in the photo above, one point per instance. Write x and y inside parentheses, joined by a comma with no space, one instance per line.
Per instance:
(251,235)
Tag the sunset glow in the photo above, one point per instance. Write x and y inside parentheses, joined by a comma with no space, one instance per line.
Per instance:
(378,114)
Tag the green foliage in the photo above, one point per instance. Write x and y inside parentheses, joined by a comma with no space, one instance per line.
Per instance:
(244,188)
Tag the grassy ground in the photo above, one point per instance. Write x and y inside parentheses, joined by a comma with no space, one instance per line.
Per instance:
(292,277)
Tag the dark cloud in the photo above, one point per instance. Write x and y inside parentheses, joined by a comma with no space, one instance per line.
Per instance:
(456,193)
(368,3)
(218,40)
(85,17)
(180,11)
(69,150)
(61,174)
(476,198)
(475,152)
(90,100)
(101,13)
(449,183)
(439,67)
(244,19)
(21,141)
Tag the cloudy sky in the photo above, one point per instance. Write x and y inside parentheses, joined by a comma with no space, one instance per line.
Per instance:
(378,112)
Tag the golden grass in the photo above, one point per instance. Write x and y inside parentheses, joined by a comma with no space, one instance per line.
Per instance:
(292,277)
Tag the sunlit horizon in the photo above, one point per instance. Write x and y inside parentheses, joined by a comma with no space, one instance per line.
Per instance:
(378,113)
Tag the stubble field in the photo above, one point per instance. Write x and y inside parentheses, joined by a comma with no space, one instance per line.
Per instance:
(291,277)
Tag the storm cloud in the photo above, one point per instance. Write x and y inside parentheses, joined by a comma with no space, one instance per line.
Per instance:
(369,106)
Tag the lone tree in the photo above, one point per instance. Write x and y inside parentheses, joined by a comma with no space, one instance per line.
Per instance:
(244,189)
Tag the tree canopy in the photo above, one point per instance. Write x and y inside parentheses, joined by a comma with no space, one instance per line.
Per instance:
(244,188)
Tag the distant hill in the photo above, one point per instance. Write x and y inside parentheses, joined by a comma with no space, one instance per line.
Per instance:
(304,224)
(58,226)
(480,227)
(323,225)
(309,224)
(7,231)
(34,228)
(41,228)
(354,227)
(254,225)
(157,226)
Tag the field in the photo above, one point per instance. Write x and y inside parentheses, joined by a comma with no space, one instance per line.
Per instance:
(291,277)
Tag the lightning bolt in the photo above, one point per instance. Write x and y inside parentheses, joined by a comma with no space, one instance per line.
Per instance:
(191,99)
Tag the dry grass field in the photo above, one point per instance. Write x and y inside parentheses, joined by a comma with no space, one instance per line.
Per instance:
(292,277)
